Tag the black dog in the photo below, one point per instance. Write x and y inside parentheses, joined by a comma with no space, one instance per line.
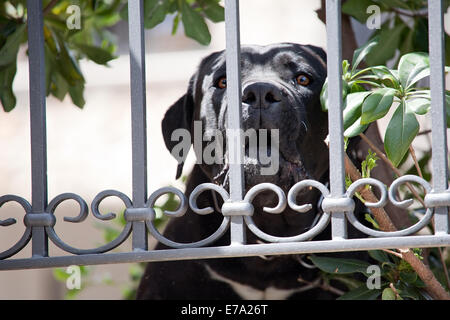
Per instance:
(281,86)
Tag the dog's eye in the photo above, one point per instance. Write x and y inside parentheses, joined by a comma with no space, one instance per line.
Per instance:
(302,80)
(222,83)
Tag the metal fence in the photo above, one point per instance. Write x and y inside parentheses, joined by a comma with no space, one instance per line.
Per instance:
(39,218)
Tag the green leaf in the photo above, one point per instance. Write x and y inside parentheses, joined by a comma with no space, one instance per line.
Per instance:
(408,277)
(368,217)
(447,108)
(8,52)
(447,50)
(357,9)
(379,255)
(59,86)
(389,40)
(96,54)
(352,107)
(355,129)
(400,132)
(347,280)
(388,43)
(67,65)
(194,25)
(60,274)
(386,76)
(338,265)
(324,93)
(413,67)
(155,12)
(214,11)
(395,4)
(419,106)
(324,96)
(377,105)
(361,293)
(7,97)
(388,294)
(362,52)
(76,93)
(176,22)
(407,291)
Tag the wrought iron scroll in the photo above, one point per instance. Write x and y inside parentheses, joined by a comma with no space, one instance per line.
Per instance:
(237,209)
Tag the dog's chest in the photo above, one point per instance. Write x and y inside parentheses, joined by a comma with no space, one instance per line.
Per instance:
(248,292)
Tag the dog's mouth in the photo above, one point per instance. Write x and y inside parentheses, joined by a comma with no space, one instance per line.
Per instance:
(264,160)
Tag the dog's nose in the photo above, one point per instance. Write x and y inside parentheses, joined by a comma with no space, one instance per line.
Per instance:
(261,95)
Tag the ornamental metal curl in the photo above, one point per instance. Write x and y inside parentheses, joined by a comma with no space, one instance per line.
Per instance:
(322,223)
(83,215)
(26,236)
(181,210)
(392,197)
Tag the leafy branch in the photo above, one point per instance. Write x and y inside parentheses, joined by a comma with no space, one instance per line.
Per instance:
(65,47)
(369,94)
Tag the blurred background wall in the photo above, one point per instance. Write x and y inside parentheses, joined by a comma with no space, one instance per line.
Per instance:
(89,150)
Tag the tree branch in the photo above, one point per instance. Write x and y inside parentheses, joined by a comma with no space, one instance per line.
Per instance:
(391,165)
(49,7)
(433,286)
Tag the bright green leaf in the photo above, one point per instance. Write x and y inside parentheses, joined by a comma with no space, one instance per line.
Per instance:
(386,76)
(352,107)
(214,11)
(324,96)
(419,106)
(362,52)
(60,274)
(377,105)
(324,93)
(355,129)
(412,67)
(400,132)
(388,294)
(194,25)
(388,43)
(368,217)
(176,22)
(155,12)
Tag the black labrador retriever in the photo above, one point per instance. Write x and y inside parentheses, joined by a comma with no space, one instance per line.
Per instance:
(281,85)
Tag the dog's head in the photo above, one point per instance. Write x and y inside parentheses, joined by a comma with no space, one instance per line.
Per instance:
(281,84)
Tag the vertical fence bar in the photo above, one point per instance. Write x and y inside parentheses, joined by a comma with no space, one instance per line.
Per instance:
(438,115)
(335,122)
(37,122)
(234,96)
(138,117)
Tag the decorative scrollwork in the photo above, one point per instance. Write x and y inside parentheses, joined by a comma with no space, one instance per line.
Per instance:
(82,216)
(291,201)
(392,197)
(23,241)
(244,208)
(181,211)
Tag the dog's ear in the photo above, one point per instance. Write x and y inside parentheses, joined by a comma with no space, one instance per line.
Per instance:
(179,116)
(318,51)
